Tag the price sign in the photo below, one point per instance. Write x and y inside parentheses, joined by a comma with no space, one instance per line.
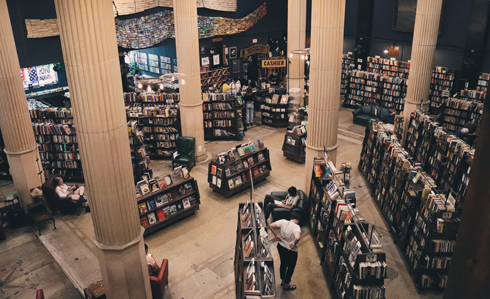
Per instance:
(371,258)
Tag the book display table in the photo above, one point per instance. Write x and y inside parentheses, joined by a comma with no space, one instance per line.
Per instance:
(275,112)
(294,146)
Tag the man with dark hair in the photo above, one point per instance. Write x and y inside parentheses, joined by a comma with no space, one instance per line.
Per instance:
(282,89)
(288,239)
(271,202)
(153,267)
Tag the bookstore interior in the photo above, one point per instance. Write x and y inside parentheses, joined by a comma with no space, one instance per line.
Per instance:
(380,207)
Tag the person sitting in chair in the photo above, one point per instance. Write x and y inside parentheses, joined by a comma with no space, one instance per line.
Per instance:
(74,192)
(272,202)
(153,267)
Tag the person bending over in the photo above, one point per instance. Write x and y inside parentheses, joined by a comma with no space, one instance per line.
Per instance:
(390,116)
(288,239)
(74,192)
(272,202)
(153,268)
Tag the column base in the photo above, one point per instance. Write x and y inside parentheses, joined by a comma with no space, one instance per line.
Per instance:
(202,156)
(25,173)
(311,153)
(124,270)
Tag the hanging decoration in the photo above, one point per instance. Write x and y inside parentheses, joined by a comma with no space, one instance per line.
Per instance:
(144,32)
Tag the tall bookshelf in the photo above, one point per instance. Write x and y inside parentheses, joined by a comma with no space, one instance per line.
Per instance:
(483,80)
(389,67)
(139,157)
(215,78)
(441,84)
(274,112)
(231,172)
(350,254)
(56,137)
(4,163)
(169,203)
(294,146)
(472,95)
(253,263)
(348,64)
(457,112)
(221,116)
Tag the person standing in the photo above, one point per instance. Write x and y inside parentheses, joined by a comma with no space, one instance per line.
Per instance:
(235,86)
(226,86)
(288,239)
(249,107)
(274,78)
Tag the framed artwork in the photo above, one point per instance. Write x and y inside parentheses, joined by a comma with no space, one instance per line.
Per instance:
(205,61)
(233,53)
(202,50)
(236,66)
(404,13)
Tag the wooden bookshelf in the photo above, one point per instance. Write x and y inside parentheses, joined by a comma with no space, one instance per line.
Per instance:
(257,257)
(56,137)
(457,112)
(348,64)
(221,116)
(228,184)
(483,80)
(215,78)
(173,210)
(275,115)
(139,159)
(441,84)
(294,146)
(389,67)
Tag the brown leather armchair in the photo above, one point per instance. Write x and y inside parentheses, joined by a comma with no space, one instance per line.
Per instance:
(56,203)
(158,283)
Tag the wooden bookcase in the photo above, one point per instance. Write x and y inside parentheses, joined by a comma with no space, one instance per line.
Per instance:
(140,161)
(215,78)
(441,83)
(58,149)
(218,171)
(457,112)
(173,210)
(389,67)
(221,116)
(275,115)
(348,64)
(260,254)
(294,146)
(483,80)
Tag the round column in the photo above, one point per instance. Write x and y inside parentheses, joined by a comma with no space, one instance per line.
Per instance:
(425,34)
(296,41)
(15,121)
(187,44)
(327,36)
(88,39)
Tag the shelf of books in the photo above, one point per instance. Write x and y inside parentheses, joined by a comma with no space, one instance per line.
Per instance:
(158,115)
(56,137)
(389,67)
(221,114)
(348,64)
(215,78)
(471,94)
(275,111)
(422,216)
(4,163)
(166,200)
(351,257)
(441,85)
(457,112)
(367,88)
(483,80)
(294,146)
(139,158)
(253,264)
(231,172)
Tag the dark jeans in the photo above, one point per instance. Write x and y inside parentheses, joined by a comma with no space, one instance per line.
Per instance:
(269,205)
(288,263)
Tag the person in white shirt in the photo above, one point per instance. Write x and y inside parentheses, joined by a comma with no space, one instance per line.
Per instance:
(235,86)
(153,268)
(75,192)
(272,202)
(288,239)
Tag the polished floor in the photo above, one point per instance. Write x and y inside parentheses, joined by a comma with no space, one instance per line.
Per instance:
(200,248)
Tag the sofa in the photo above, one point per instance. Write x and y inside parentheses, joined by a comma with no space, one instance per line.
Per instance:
(364,114)
(54,202)
(159,282)
(282,213)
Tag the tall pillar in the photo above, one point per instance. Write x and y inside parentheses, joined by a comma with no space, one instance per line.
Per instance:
(88,39)
(296,41)
(187,44)
(15,122)
(422,61)
(327,37)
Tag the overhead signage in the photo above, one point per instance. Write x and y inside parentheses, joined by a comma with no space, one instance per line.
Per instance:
(255,49)
(273,63)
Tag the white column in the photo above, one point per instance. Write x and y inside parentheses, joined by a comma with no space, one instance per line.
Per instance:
(296,41)
(88,39)
(187,44)
(427,22)
(327,36)
(15,122)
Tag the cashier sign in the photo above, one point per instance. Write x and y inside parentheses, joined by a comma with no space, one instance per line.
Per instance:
(274,63)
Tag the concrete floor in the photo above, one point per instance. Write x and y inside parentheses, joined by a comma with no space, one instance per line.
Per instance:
(200,248)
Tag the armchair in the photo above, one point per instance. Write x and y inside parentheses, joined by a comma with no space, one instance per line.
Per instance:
(282,213)
(55,203)
(186,147)
(158,283)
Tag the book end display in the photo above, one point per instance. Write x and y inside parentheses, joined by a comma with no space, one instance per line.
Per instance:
(222,116)
(275,111)
(294,146)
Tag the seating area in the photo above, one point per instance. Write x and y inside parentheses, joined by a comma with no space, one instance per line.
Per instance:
(186,152)
(282,213)
(158,283)
(54,202)
(363,114)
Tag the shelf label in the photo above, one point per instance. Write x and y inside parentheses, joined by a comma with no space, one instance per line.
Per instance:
(371,258)
(447,215)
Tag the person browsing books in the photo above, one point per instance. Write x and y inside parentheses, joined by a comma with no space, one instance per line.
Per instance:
(288,239)
(226,86)
(248,116)
(74,192)
(153,268)
(235,86)
(271,202)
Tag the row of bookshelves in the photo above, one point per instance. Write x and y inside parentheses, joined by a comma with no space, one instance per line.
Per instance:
(222,116)
(294,146)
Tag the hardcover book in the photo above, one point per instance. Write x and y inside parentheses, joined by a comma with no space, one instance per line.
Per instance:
(160,214)
(154,185)
(173,209)
(152,218)
(181,190)
(180,206)
(162,183)
(275,99)
(142,208)
(187,203)
(159,200)
(144,222)
(151,204)
(166,211)
(168,180)
(144,189)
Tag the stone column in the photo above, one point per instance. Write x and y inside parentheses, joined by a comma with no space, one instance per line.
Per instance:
(187,44)
(88,39)
(15,122)
(422,61)
(296,41)
(327,37)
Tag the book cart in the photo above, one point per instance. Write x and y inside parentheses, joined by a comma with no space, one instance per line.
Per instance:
(221,114)
(274,112)
(214,78)
(253,263)
(352,259)
(173,199)
(294,146)
(56,137)
(159,117)
(230,172)
(422,219)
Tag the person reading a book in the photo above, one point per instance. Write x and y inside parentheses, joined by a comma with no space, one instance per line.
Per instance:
(272,202)
(153,268)
(390,116)
(74,192)
(288,239)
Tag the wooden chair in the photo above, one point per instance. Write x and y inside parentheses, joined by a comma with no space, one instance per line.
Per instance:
(39,214)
